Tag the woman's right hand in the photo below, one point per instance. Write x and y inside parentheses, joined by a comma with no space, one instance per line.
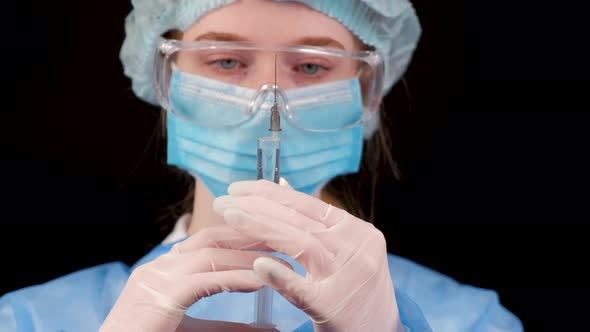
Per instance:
(158,293)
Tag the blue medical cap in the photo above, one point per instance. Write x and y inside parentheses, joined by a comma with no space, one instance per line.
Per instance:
(390,26)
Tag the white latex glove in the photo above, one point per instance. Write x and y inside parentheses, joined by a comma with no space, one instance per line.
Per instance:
(348,286)
(158,293)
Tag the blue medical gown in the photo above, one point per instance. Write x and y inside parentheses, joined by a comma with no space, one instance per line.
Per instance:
(80,301)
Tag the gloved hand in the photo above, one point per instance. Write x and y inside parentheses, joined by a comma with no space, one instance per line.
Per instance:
(348,286)
(158,293)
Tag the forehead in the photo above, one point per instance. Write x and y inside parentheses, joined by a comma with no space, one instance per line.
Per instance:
(271,22)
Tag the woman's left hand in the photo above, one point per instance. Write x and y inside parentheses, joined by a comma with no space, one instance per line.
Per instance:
(348,286)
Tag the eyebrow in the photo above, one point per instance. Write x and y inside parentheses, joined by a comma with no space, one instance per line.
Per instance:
(309,41)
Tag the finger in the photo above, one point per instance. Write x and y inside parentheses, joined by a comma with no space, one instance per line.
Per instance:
(282,237)
(334,239)
(209,260)
(207,284)
(310,206)
(296,289)
(176,293)
(257,205)
(191,289)
(221,236)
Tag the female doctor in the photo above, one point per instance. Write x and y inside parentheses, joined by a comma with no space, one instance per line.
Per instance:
(217,67)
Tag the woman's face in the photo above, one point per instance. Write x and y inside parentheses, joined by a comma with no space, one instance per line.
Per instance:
(271,22)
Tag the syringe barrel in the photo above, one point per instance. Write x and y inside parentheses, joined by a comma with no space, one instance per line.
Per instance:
(268,168)
(268,156)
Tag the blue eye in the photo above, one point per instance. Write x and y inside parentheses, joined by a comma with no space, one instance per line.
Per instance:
(228,63)
(309,68)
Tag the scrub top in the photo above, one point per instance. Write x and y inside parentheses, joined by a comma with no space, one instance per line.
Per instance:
(80,301)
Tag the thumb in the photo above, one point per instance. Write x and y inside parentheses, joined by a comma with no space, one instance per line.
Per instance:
(293,287)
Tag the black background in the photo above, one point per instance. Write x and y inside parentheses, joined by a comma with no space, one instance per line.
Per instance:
(494,151)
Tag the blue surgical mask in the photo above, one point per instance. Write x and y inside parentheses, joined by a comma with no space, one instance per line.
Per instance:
(220,156)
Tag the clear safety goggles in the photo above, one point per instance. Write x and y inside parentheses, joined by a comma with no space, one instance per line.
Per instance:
(256,66)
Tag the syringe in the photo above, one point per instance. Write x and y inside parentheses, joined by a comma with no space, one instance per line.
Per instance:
(269,149)
(268,168)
